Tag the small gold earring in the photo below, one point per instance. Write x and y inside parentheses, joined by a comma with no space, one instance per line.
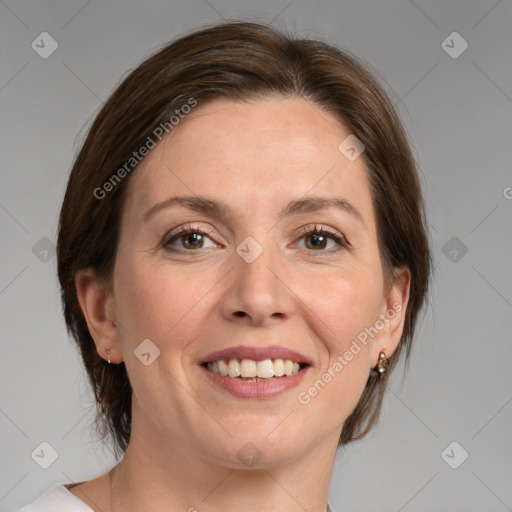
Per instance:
(382,363)
(108,354)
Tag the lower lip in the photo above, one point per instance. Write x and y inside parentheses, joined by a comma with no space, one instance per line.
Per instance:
(257,389)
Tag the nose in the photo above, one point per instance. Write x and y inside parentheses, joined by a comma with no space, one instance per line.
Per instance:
(257,293)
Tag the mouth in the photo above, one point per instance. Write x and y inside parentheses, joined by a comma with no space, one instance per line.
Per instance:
(255,372)
(250,370)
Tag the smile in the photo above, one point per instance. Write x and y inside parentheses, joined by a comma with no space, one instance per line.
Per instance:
(251,370)
(255,372)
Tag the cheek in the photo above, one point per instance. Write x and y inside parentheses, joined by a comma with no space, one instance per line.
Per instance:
(155,303)
(342,308)
(345,363)
(163,306)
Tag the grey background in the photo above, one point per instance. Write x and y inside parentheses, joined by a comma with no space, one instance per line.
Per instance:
(458,112)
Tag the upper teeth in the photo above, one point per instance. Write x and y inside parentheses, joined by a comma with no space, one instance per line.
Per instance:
(249,368)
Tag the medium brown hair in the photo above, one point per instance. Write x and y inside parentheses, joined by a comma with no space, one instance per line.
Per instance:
(239,61)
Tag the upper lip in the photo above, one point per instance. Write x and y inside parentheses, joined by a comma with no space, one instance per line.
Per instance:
(256,354)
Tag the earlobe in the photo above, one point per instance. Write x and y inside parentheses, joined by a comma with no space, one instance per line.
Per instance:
(394,315)
(97,304)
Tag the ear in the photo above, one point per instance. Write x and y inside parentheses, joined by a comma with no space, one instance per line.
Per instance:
(392,314)
(98,306)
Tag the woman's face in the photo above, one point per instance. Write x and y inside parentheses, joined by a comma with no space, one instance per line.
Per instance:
(235,267)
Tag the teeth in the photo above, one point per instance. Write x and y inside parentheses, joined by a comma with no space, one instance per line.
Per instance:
(278,367)
(248,368)
(254,370)
(233,368)
(265,369)
(223,368)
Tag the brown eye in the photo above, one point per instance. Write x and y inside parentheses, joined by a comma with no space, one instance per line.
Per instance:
(192,241)
(317,240)
(188,238)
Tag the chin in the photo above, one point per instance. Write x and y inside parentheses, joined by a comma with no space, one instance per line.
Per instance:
(258,446)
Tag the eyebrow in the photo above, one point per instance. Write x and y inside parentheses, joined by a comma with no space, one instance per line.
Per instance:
(218,209)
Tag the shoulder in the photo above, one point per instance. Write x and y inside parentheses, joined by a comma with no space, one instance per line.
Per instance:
(57,499)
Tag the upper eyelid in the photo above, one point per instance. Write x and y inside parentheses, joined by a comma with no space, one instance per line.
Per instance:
(189,227)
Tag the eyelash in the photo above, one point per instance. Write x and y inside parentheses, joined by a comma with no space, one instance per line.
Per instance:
(182,231)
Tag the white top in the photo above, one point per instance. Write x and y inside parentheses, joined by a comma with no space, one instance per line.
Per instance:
(57,499)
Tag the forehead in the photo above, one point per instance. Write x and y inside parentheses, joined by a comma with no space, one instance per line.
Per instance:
(279,146)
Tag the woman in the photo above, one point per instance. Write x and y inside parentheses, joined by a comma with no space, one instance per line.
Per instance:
(243,256)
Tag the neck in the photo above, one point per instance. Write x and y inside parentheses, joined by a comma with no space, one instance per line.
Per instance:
(154,475)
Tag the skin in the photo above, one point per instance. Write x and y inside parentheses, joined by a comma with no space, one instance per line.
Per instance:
(256,157)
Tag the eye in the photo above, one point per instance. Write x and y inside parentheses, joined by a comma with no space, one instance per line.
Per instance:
(189,237)
(317,238)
